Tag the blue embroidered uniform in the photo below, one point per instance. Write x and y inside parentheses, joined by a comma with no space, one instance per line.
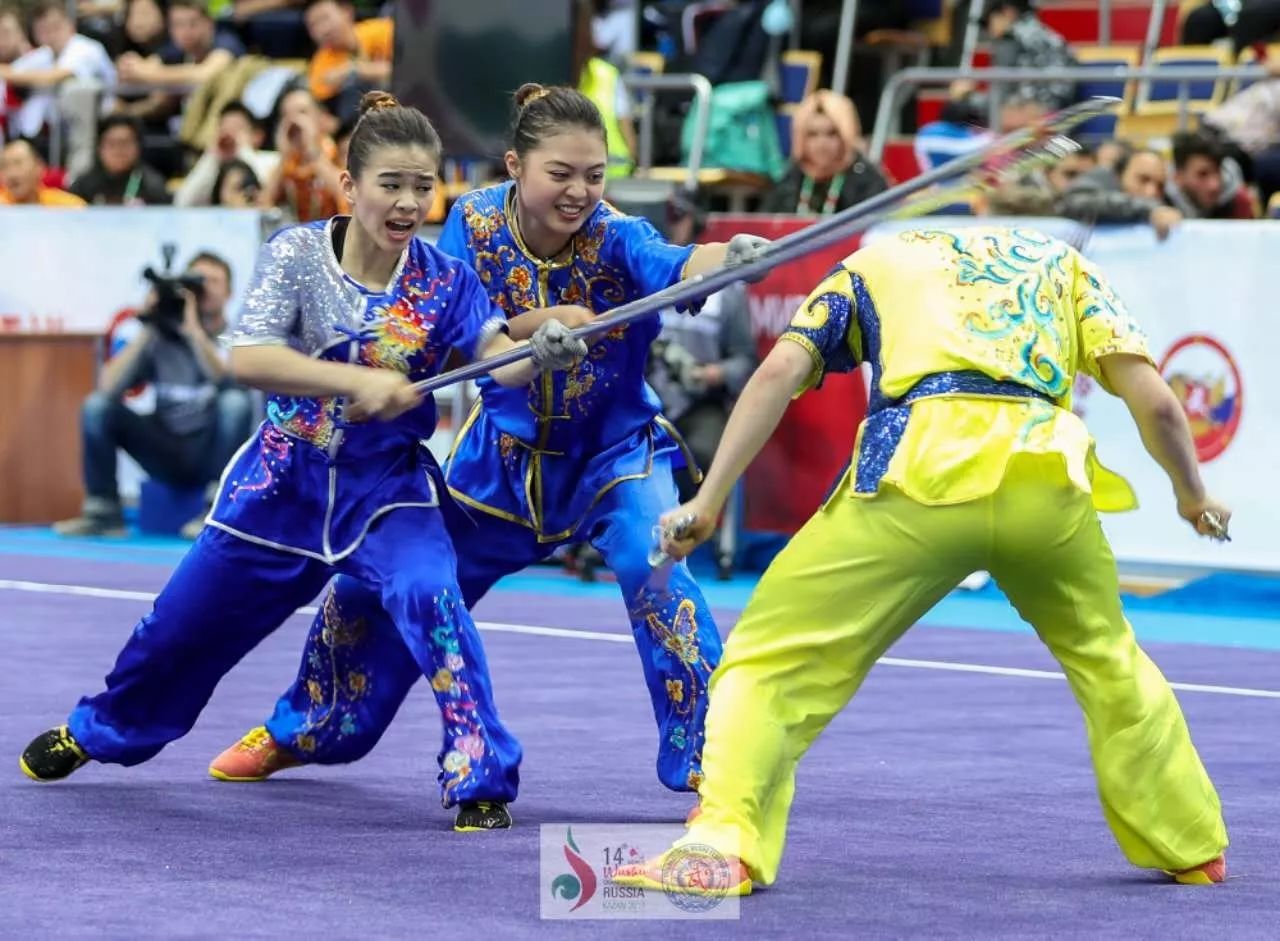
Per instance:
(575,456)
(309,495)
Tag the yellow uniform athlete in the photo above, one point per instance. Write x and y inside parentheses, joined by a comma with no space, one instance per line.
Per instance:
(970,458)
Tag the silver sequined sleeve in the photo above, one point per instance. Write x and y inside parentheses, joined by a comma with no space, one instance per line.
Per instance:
(270,311)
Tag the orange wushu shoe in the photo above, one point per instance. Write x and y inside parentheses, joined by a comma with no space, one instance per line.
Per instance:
(255,757)
(1210,873)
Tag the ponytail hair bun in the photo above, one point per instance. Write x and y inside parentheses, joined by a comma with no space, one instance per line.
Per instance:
(528,93)
(374,101)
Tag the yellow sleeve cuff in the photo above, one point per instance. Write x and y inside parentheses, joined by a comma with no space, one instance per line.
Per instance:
(819,364)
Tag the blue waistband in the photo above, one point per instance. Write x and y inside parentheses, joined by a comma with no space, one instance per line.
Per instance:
(887,418)
(967,382)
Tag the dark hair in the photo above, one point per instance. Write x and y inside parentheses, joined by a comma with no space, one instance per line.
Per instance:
(45,7)
(213,259)
(33,145)
(1188,144)
(384,122)
(200,6)
(228,167)
(994,6)
(544,112)
(238,107)
(113,121)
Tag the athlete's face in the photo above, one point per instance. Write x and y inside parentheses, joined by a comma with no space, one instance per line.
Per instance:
(558,185)
(393,194)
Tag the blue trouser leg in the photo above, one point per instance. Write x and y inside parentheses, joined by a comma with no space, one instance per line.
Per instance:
(419,590)
(356,672)
(674,631)
(228,594)
(225,597)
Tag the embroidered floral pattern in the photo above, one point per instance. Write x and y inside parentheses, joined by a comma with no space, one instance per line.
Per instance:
(274,454)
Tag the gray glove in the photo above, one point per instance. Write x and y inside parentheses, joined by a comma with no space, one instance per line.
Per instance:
(553,348)
(744,249)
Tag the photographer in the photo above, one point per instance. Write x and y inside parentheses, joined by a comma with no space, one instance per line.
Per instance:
(699,364)
(200,418)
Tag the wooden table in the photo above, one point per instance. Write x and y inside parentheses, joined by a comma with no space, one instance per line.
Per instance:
(44,378)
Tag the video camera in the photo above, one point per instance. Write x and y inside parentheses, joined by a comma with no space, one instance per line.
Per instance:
(167,312)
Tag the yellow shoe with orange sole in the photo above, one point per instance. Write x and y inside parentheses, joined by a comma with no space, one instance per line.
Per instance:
(1210,873)
(255,757)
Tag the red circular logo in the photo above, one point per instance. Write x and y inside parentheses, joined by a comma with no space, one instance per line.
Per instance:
(1206,380)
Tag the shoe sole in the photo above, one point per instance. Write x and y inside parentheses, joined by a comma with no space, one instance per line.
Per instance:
(510,823)
(26,769)
(223,776)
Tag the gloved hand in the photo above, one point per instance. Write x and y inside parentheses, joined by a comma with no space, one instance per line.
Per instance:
(553,347)
(744,249)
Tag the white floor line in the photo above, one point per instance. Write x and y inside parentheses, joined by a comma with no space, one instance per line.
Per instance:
(89,591)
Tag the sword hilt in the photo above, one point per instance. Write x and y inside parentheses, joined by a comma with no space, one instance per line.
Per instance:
(1213,522)
(677,529)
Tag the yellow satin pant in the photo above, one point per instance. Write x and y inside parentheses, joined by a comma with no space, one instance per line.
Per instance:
(860,573)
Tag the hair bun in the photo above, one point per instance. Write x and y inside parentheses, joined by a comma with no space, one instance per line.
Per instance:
(377,101)
(530,92)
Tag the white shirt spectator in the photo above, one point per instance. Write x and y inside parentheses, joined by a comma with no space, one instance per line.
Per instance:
(85,57)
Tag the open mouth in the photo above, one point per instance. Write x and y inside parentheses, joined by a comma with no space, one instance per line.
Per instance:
(569,212)
(401,229)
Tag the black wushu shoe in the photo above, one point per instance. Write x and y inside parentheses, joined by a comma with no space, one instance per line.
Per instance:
(52,755)
(482,815)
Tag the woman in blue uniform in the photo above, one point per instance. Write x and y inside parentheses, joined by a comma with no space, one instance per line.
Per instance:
(581,456)
(340,320)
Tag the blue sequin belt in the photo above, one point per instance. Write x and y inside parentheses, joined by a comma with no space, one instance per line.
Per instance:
(886,420)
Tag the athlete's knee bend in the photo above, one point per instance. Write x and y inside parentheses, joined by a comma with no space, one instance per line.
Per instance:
(354,597)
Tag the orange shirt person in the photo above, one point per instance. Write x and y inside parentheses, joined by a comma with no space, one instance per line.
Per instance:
(21,172)
(346,50)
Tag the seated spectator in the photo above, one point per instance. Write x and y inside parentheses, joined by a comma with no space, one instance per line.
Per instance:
(1251,121)
(959,130)
(238,140)
(237,186)
(1022,41)
(145,32)
(119,177)
(22,171)
(828,171)
(350,59)
(13,46)
(700,364)
(68,75)
(307,183)
(1059,177)
(200,418)
(197,53)
(1133,192)
(1206,184)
